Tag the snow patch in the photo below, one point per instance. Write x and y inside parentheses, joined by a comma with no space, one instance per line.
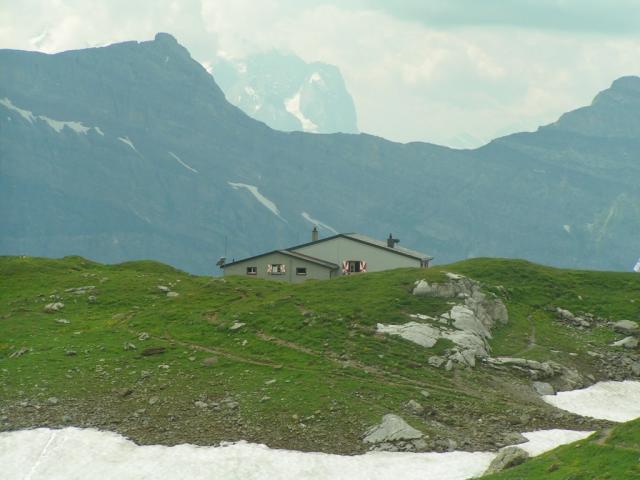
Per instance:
(100,132)
(316,78)
(189,167)
(542,441)
(70,453)
(614,401)
(126,141)
(26,114)
(258,196)
(57,125)
(317,222)
(292,105)
(207,66)
(567,228)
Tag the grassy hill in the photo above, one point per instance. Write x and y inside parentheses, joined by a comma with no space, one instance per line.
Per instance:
(292,366)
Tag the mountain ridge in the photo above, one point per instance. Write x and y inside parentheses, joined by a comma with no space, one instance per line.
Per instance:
(157,183)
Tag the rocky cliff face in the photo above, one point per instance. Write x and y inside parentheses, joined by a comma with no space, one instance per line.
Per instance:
(132,151)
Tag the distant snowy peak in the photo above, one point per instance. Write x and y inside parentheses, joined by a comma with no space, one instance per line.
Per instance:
(286,93)
(292,105)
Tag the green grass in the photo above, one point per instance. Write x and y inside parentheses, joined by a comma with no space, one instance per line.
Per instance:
(611,455)
(334,376)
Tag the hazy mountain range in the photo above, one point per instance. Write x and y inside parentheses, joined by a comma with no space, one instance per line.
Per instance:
(132,151)
(287,93)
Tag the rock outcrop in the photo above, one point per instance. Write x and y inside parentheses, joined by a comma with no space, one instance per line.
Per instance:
(627,342)
(468,324)
(627,327)
(53,307)
(394,434)
(544,388)
(507,457)
(392,429)
(572,319)
(564,378)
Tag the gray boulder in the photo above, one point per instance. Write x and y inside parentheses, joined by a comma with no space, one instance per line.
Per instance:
(392,429)
(420,333)
(53,307)
(415,407)
(626,326)
(627,342)
(507,457)
(543,388)
(569,317)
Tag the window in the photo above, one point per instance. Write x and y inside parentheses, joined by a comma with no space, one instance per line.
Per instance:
(301,270)
(276,269)
(252,270)
(353,266)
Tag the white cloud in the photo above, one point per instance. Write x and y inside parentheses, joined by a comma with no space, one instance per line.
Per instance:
(411,82)
(55,25)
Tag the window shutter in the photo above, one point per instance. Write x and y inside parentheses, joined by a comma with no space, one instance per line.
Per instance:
(345,267)
(269,268)
(283,268)
(363,266)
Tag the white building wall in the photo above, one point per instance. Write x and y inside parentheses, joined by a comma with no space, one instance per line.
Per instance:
(340,249)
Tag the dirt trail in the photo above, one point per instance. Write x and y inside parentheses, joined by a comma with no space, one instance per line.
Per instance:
(380,375)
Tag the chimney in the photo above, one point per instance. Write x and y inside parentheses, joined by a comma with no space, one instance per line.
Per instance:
(314,234)
(391,242)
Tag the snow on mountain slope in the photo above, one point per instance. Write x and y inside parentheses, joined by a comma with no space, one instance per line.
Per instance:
(315,221)
(292,105)
(128,142)
(614,401)
(57,125)
(179,160)
(271,206)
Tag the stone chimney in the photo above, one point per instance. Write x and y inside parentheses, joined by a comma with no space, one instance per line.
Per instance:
(391,242)
(314,234)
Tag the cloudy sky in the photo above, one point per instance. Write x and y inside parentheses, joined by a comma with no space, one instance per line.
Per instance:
(428,70)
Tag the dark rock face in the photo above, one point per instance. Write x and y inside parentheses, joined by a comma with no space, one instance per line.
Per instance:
(129,151)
